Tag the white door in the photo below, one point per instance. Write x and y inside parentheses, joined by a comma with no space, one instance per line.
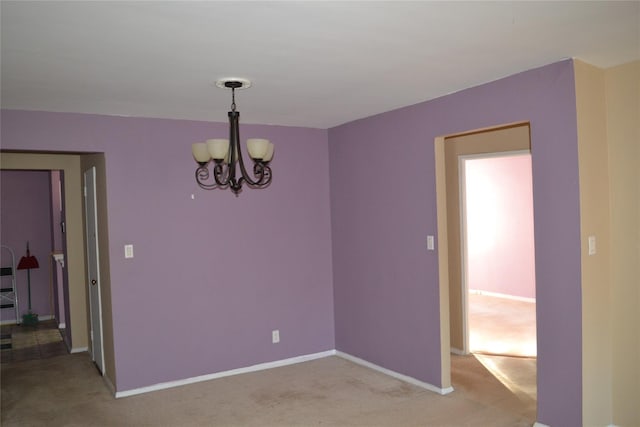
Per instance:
(93,269)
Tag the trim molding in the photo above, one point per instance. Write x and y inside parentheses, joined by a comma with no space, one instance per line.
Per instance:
(499,295)
(79,349)
(537,424)
(458,351)
(276,364)
(394,374)
(200,378)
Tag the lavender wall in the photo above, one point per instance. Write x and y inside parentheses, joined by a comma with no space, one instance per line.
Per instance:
(25,197)
(383,204)
(211,276)
(499,225)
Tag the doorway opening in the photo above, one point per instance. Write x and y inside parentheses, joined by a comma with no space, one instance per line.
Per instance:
(76,310)
(37,324)
(461,368)
(499,267)
(498,254)
(33,213)
(76,301)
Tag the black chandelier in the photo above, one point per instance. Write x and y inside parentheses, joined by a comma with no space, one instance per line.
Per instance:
(227,155)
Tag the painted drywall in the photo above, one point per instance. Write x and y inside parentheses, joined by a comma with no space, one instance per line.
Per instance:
(506,139)
(499,225)
(76,334)
(212,274)
(594,222)
(622,91)
(26,216)
(383,205)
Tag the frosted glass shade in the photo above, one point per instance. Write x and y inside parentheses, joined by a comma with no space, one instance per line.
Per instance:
(218,148)
(257,147)
(200,152)
(269,154)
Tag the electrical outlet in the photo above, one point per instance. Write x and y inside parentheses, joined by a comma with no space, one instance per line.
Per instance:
(275,336)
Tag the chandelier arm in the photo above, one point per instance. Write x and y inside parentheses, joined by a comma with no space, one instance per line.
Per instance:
(262,174)
(263,170)
(257,172)
(221,174)
(202,175)
(259,167)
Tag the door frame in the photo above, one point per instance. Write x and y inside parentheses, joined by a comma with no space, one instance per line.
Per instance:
(93,264)
(443,241)
(77,335)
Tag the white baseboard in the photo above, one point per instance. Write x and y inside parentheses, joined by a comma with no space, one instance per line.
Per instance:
(457,351)
(537,424)
(79,349)
(254,368)
(394,374)
(499,295)
(62,325)
(276,364)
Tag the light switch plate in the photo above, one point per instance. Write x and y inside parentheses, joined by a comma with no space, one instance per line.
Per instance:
(430,243)
(128,251)
(592,245)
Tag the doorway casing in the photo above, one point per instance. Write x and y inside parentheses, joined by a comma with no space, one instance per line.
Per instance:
(72,164)
(447,151)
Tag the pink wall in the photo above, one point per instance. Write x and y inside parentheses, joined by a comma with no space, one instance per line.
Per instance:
(26,215)
(499,225)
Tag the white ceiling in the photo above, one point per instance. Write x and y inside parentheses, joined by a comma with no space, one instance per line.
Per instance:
(314,64)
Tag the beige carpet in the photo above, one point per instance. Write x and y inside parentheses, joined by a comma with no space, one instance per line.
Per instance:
(67,391)
(502,326)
